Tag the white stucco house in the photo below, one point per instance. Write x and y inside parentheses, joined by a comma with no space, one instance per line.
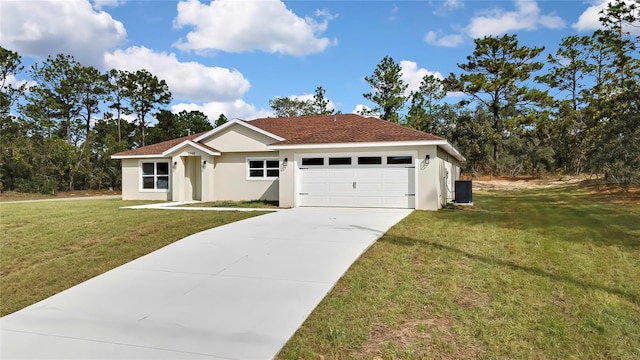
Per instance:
(327,160)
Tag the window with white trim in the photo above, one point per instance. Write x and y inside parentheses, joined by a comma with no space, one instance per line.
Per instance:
(155,175)
(263,169)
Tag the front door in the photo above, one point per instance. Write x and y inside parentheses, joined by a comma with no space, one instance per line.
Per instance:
(192,175)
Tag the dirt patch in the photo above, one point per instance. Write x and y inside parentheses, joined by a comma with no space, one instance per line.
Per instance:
(597,190)
(523,183)
(429,333)
(469,299)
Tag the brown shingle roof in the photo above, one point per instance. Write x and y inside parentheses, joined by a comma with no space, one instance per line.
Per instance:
(159,148)
(343,128)
(315,129)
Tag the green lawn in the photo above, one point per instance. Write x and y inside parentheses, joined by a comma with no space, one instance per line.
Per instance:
(237,204)
(47,247)
(534,274)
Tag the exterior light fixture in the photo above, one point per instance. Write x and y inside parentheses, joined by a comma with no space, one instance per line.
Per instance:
(175,164)
(426,160)
(204,163)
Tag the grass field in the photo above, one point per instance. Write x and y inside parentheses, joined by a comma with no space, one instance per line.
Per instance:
(535,274)
(46,247)
(237,204)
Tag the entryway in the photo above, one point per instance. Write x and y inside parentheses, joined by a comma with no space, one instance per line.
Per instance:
(192,178)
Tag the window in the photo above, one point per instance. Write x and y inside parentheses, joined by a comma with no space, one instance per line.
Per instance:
(155,175)
(340,161)
(369,160)
(262,169)
(312,161)
(392,160)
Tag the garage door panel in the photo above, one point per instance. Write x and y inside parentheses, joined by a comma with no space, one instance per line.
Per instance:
(315,175)
(347,201)
(340,189)
(397,189)
(368,175)
(340,172)
(368,188)
(369,201)
(311,200)
(358,186)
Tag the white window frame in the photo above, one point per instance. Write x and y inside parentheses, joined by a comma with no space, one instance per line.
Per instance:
(141,175)
(264,168)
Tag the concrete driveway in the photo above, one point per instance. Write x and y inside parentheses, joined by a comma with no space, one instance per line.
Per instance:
(237,291)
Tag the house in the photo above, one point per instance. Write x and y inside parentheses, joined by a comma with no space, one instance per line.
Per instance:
(341,160)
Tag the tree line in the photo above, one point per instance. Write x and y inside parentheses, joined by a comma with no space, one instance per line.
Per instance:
(56,139)
(579,114)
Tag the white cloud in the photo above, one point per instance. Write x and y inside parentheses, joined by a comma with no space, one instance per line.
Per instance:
(49,27)
(362,109)
(455,94)
(453,4)
(239,26)
(393,15)
(237,109)
(498,21)
(12,81)
(447,6)
(452,40)
(413,75)
(187,80)
(589,20)
(100,4)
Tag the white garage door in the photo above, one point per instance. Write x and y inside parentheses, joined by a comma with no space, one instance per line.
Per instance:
(357,181)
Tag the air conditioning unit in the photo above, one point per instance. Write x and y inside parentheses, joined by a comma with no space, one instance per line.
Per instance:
(463,194)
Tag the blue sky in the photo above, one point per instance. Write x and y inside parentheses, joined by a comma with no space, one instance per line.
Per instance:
(233,56)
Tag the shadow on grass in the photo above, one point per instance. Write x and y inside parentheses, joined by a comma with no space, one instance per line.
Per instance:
(406,241)
(564,215)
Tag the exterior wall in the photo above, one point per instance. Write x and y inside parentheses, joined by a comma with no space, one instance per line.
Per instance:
(232,182)
(426,175)
(207,176)
(131,181)
(288,189)
(449,173)
(238,138)
(427,191)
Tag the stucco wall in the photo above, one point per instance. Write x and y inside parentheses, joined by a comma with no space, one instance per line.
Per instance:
(238,138)
(448,164)
(131,179)
(231,180)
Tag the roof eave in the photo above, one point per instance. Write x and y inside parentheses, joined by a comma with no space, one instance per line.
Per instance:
(452,151)
(190,143)
(444,144)
(147,156)
(357,144)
